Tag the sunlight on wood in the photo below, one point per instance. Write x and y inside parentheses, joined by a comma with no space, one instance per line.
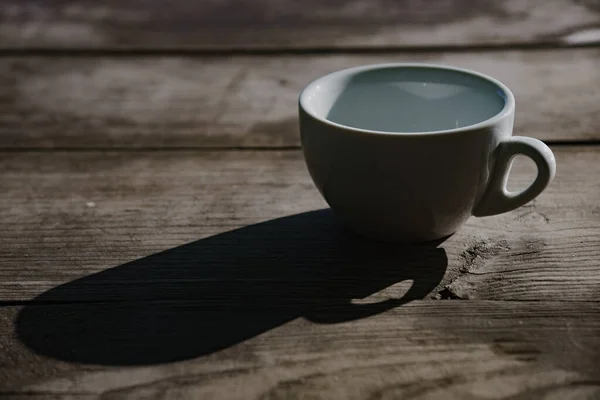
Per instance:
(394,292)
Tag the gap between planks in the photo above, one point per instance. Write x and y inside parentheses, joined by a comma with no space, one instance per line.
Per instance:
(152,149)
(37,303)
(283,51)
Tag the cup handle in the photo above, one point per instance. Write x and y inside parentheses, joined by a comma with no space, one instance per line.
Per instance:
(497,199)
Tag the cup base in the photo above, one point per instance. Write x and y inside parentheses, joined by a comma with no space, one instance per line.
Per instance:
(399,238)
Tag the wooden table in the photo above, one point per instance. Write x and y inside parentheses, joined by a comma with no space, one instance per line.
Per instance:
(161,238)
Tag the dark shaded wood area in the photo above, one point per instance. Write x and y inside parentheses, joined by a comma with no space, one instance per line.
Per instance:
(288,24)
(161,237)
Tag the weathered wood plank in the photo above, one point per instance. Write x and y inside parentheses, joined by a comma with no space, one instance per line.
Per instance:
(81,223)
(424,349)
(252,101)
(227,24)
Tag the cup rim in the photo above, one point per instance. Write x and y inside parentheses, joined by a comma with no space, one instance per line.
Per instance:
(508,108)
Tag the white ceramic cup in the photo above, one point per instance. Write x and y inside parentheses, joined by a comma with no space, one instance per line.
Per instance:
(408,152)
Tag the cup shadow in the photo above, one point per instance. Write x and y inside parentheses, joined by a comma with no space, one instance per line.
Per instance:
(211,294)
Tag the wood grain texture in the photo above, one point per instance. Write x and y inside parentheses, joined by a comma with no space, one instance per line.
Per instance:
(206,274)
(231,24)
(83,222)
(252,101)
(426,349)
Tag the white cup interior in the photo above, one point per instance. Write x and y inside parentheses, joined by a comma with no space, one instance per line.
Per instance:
(404,99)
